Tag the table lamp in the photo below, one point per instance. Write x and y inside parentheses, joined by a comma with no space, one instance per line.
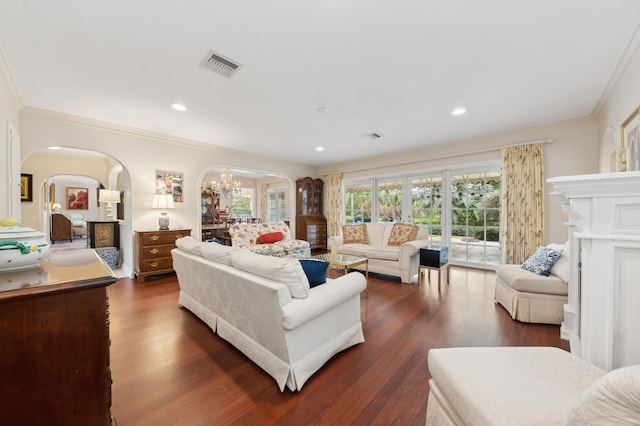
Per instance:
(109,196)
(163,201)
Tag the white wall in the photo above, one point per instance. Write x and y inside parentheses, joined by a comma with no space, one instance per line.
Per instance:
(10,105)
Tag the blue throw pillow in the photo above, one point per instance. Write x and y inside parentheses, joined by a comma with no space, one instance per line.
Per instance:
(542,261)
(315,270)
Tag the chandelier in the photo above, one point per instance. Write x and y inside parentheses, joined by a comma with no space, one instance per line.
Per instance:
(226,188)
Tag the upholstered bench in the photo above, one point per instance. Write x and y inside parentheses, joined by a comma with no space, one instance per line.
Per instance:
(527,386)
(529,297)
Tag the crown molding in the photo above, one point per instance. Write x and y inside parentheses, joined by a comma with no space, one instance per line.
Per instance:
(628,55)
(9,83)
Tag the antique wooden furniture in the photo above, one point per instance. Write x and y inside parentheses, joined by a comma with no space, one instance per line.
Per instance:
(61,228)
(153,251)
(311,225)
(54,334)
(103,234)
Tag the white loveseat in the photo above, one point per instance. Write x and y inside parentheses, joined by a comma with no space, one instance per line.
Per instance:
(528,386)
(263,306)
(400,261)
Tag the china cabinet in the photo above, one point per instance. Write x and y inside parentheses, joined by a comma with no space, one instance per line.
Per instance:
(311,225)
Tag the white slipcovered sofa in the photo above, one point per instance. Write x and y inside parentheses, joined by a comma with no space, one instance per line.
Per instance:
(529,297)
(400,261)
(528,386)
(264,307)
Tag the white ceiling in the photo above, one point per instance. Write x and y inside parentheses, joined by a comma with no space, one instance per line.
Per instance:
(393,67)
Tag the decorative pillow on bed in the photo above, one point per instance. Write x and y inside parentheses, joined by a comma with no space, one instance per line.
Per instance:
(271,237)
(542,261)
(355,234)
(315,270)
(402,233)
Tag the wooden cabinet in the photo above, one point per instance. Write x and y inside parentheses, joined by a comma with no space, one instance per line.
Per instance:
(153,251)
(103,234)
(61,228)
(311,225)
(54,334)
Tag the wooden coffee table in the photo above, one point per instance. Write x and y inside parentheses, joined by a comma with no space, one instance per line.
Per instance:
(346,262)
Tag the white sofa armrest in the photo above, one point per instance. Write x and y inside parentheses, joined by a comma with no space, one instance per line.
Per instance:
(321,299)
(334,242)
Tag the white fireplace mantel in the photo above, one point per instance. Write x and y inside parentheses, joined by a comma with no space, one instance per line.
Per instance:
(602,314)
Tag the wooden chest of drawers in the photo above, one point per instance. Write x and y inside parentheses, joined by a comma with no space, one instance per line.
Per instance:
(153,251)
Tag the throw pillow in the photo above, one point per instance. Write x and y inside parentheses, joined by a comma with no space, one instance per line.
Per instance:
(189,244)
(402,233)
(315,270)
(541,261)
(355,234)
(270,237)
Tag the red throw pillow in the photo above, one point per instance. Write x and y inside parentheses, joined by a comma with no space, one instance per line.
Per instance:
(271,237)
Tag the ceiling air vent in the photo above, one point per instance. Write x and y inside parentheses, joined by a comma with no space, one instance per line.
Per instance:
(373,135)
(220,65)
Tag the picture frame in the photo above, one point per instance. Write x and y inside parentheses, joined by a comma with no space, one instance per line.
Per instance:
(170,183)
(77,198)
(630,140)
(26,187)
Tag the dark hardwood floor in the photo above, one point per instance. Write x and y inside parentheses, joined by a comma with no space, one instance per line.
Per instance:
(168,367)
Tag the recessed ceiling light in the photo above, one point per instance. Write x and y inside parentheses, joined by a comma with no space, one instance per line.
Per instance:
(323,110)
(319,148)
(458,111)
(179,107)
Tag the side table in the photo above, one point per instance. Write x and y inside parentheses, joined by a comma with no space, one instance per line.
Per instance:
(436,258)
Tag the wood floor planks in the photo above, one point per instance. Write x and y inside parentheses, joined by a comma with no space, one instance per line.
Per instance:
(168,367)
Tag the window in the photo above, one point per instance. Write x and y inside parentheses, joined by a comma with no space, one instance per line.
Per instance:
(242,206)
(389,201)
(426,205)
(277,205)
(475,218)
(461,208)
(358,202)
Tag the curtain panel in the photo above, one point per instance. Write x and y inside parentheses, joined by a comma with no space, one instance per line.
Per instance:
(334,204)
(264,203)
(522,201)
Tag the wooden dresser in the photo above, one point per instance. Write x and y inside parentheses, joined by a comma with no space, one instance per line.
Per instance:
(54,339)
(153,251)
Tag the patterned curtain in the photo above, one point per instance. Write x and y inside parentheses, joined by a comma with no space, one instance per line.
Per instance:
(263,202)
(333,209)
(522,201)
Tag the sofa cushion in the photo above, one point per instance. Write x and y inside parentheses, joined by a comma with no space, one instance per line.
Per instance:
(270,237)
(524,281)
(561,268)
(612,399)
(402,233)
(354,249)
(355,234)
(216,252)
(281,269)
(541,261)
(190,245)
(384,252)
(315,270)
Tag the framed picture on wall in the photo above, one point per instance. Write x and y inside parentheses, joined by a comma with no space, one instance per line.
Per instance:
(77,198)
(629,137)
(26,187)
(169,183)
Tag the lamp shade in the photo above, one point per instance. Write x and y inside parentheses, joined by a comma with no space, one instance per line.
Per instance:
(109,196)
(162,201)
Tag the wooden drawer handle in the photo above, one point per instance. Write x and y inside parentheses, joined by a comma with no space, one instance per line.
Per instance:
(155,237)
(154,251)
(154,264)
(179,236)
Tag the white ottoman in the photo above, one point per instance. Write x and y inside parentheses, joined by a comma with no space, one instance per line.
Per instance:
(505,385)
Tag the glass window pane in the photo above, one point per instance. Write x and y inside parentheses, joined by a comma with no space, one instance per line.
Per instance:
(358,202)
(389,200)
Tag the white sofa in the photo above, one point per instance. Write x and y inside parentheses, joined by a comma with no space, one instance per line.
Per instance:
(529,297)
(527,386)
(400,261)
(263,306)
